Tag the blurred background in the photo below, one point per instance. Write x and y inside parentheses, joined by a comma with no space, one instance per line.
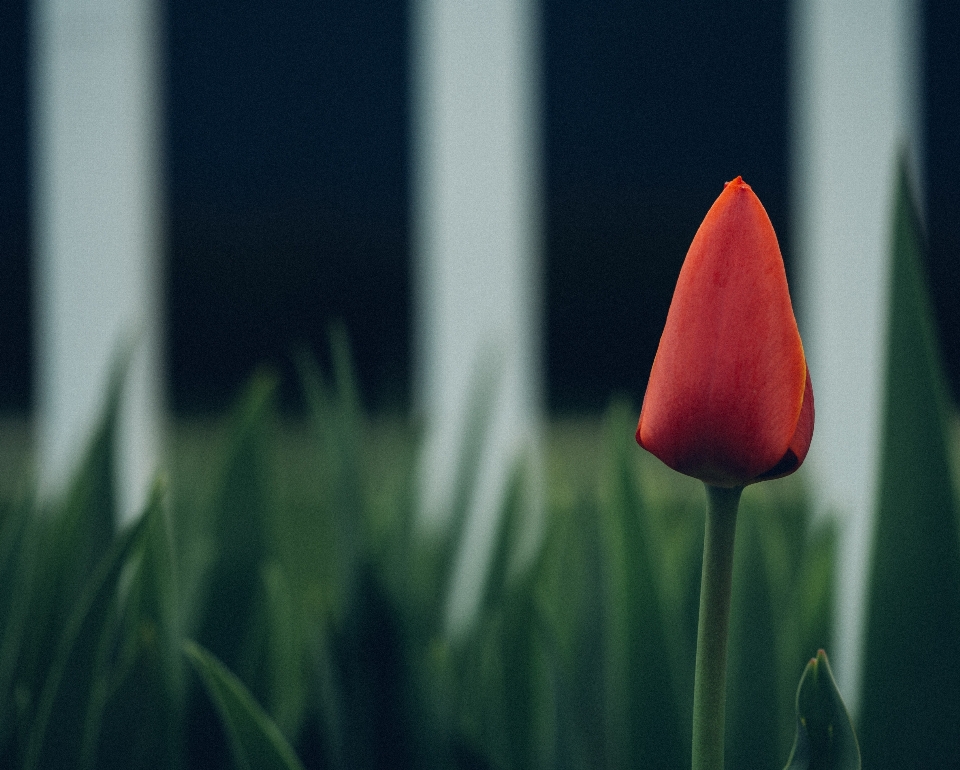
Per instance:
(286,182)
(226,183)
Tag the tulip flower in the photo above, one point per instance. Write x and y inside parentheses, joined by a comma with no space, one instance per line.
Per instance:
(729,400)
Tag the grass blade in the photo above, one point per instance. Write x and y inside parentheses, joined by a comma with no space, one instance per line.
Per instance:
(910,703)
(255,740)
(140,724)
(18,552)
(644,726)
(239,517)
(60,727)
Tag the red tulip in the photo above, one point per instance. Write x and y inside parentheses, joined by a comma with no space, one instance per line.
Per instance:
(729,399)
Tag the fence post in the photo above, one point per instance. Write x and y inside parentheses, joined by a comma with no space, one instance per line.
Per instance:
(856,106)
(477,247)
(96,233)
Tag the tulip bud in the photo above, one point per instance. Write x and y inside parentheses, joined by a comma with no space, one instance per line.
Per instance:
(729,400)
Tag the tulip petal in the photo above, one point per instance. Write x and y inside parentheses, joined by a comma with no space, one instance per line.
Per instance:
(802,436)
(726,390)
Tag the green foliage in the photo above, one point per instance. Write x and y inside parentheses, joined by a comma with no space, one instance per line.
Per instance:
(141,718)
(256,741)
(910,707)
(783,578)
(16,602)
(825,739)
(641,704)
(301,568)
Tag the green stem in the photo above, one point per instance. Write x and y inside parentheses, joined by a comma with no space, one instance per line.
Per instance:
(709,689)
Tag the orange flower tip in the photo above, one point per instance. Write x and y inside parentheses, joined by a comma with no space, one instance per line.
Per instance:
(738,182)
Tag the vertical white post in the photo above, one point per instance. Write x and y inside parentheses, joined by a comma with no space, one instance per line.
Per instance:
(856,104)
(477,243)
(96,232)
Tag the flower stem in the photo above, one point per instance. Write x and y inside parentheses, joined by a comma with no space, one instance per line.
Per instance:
(709,689)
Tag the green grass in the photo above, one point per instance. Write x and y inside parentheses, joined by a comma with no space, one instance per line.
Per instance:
(336,594)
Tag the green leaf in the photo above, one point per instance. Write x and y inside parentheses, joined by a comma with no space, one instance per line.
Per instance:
(369,681)
(240,517)
(643,727)
(781,608)
(337,426)
(18,543)
(523,672)
(573,631)
(79,530)
(255,739)
(909,714)
(498,577)
(825,737)
(72,538)
(65,720)
(284,654)
(141,720)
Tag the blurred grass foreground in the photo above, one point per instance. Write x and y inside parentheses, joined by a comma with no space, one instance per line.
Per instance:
(278,605)
(290,552)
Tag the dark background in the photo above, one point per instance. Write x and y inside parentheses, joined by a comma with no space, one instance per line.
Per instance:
(287,176)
